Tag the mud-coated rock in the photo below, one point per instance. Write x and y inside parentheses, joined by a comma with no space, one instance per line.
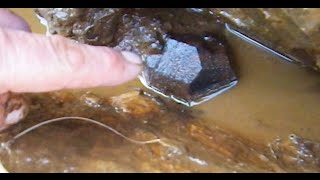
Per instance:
(95,26)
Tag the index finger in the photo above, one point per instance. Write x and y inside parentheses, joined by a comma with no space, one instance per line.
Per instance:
(36,63)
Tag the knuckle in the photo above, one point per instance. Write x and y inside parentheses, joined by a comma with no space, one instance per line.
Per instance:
(113,60)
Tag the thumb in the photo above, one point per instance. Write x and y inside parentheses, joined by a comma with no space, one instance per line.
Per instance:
(37,63)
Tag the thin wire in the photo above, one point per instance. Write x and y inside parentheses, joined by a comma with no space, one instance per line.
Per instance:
(7,144)
(83,119)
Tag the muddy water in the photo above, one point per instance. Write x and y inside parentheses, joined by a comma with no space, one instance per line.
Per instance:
(272,99)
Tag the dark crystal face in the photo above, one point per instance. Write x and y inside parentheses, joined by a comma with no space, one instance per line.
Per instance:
(190,71)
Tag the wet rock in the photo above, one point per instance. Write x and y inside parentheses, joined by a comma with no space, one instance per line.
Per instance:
(95,26)
(92,100)
(293,32)
(186,144)
(140,35)
(297,154)
(192,69)
(189,70)
(135,104)
(234,149)
(2,169)
(185,20)
(13,108)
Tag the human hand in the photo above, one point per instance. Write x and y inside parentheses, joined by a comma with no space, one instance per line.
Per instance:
(37,63)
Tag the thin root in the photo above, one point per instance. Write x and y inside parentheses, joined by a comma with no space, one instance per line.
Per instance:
(83,119)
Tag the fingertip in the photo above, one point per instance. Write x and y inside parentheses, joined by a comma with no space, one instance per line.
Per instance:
(123,66)
(131,72)
(131,57)
(134,70)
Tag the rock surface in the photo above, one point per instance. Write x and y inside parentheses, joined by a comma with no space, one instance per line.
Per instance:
(195,66)
(185,144)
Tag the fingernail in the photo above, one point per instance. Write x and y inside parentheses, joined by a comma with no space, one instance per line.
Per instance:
(131,57)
